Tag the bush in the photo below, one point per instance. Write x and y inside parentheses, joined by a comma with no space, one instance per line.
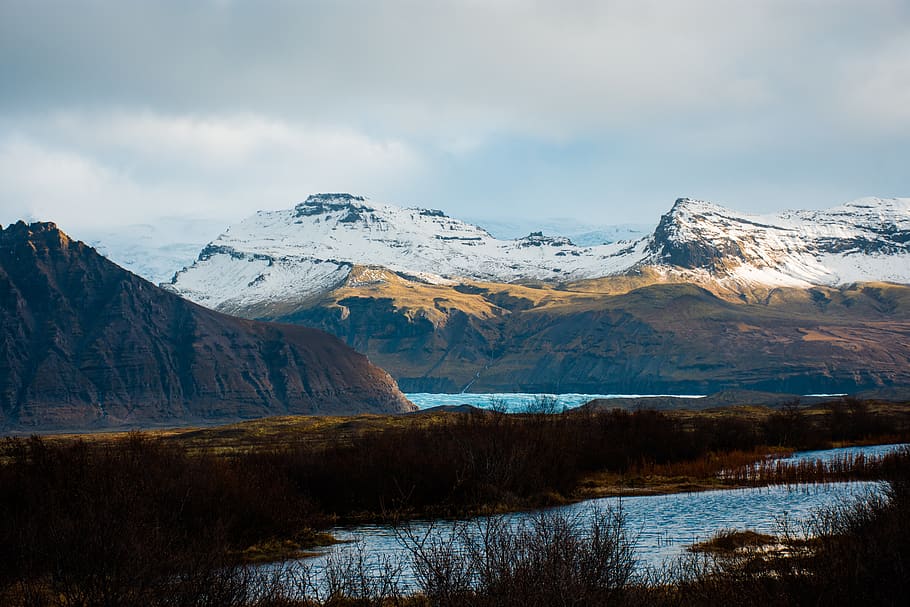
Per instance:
(553,559)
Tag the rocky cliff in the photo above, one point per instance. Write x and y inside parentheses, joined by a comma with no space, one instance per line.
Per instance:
(85,343)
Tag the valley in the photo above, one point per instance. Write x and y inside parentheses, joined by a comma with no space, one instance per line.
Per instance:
(279,439)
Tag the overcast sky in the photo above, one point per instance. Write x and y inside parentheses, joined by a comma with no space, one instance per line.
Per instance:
(605,111)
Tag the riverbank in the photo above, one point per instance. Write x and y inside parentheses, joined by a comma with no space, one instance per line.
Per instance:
(137,509)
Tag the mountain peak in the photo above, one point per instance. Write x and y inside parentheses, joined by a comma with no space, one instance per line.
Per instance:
(280,258)
(39,236)
(320,204)
(687,205)
(92,345)
(22,228)
(683,201)
(679,238)
(337,197)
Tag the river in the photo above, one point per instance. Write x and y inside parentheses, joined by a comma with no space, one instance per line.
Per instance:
(661,526)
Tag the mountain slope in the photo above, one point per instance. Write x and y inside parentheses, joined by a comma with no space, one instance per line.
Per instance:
(711,300)
(863,240)
(281,257)
(600,337)
(85,343)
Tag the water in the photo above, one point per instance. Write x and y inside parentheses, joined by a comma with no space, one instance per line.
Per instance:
(830,455)
(522,401)
(661,526)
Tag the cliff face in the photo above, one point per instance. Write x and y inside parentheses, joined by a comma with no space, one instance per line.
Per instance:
(85,343)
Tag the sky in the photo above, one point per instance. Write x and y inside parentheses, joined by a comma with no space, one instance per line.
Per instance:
(122,112)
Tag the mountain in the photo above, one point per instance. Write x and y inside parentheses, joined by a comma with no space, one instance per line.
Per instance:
(88,344)
(863,240)
(276,259)
(581,233)
(603,337)
(153,251)
(711,300)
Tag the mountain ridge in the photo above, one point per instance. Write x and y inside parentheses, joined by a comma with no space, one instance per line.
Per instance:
(88,344)
(311,249)
(712,300)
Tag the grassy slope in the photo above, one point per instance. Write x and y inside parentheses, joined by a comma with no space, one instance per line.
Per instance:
(622,334)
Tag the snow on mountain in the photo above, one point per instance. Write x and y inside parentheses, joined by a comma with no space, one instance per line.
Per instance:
(298,253)
(154,252)
(867,239)
(582,234)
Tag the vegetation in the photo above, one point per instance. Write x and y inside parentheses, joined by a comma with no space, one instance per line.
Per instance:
(857,554)
(170,519)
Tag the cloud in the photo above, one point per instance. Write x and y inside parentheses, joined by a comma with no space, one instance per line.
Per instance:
(875,90)
(41,183)
(550,69)
(226,107)
(231,141)
(87,168)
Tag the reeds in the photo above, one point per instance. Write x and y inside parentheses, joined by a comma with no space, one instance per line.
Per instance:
(847,467)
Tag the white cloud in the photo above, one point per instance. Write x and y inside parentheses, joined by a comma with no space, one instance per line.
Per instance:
(445,69)
(227,107)
(230,141)
(52,184)
(84,169)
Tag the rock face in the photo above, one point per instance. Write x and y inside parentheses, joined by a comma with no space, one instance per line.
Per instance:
(85,343)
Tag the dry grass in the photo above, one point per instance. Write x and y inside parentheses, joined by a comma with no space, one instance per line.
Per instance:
(717,468)
(264,434)
(730,541)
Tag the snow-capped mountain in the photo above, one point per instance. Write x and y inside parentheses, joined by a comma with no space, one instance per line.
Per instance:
(298,253)
(864,240)
(301,252)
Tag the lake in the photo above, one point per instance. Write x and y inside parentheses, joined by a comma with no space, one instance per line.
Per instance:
(521,401)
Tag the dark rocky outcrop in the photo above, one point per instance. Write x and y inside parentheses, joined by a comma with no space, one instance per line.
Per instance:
(84,343)
(670,249)
(320,204)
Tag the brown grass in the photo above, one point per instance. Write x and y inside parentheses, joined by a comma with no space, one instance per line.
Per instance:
(731,541)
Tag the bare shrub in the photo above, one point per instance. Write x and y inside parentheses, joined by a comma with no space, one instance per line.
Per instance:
(550,559)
